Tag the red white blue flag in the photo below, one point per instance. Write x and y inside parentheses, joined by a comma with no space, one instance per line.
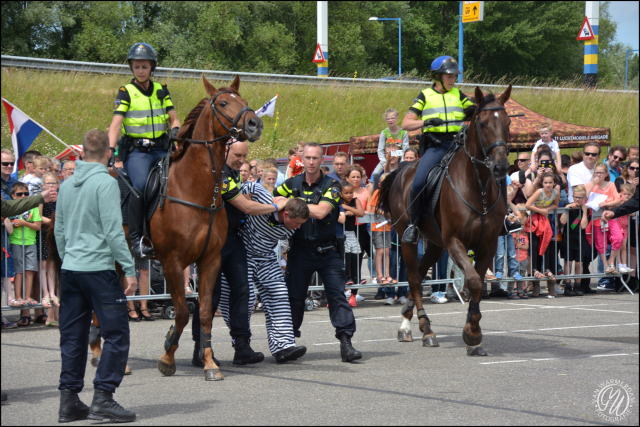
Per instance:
(23,132)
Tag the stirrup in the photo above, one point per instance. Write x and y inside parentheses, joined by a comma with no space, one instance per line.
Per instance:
(411,235)
(510,227)
(144,250)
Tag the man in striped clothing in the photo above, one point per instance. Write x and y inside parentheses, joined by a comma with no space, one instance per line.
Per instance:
(261,234)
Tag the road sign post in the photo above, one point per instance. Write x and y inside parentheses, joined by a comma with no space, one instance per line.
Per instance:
(470,11)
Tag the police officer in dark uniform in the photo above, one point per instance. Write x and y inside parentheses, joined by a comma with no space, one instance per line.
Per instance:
(146,115)
(234,262)
(313,248)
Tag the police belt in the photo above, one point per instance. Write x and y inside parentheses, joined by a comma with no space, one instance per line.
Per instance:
(146,144)
(320,247)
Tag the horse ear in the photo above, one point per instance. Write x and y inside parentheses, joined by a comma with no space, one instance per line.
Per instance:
(505,95)
(236,84)
(208,86)
(479,96)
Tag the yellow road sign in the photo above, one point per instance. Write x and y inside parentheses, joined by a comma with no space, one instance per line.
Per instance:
(472,11)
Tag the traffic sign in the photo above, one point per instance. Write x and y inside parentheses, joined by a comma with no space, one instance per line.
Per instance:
(319,56)
(586,33)
(472,11)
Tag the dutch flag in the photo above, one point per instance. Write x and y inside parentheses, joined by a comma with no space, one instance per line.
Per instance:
(23,132)
(269,108)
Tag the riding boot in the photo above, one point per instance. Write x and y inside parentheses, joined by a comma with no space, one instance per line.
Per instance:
(137,216)
(103,406)
(71,408)
(244,354)
(348,353)
(414,208)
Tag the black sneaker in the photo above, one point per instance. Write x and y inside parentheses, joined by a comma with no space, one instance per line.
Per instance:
(380,294)
(103,406)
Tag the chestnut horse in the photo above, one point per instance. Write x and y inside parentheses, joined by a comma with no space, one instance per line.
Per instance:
(470,214)
(192,224)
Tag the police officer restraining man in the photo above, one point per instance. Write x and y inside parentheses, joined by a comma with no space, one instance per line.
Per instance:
(234,261)
(431,110)
(313,248)
(145,113)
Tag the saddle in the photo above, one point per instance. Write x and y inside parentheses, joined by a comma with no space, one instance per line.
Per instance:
(433,182)
(155,190)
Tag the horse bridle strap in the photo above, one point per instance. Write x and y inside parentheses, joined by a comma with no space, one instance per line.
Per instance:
(487,150)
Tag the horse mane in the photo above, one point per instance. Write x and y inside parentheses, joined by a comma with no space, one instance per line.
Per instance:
(186,131)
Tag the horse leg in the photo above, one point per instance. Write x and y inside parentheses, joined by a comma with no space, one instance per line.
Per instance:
(471,334)
(173,273)
(208,269)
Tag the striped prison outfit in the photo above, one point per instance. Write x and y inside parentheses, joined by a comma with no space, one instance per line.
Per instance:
(261,235)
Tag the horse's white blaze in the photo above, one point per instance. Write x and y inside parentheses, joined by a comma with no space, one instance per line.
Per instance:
(406,324)
(495,114)
(233,96)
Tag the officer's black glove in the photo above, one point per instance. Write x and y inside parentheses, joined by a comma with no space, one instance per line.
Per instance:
(436,121)
(112,159)
(173,134)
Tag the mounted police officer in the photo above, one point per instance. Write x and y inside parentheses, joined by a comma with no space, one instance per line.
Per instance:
(440,111)
(314,249)
(146,115)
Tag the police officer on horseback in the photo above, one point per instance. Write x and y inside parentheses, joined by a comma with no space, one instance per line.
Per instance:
(146,115)
(440,111)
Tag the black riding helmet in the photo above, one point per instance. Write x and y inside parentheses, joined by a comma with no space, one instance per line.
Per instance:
(143,51)
(444,64)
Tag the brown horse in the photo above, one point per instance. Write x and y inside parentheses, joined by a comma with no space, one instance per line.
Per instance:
(192,226)
(470,216)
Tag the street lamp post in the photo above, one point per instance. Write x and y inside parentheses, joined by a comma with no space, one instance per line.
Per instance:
(374,18)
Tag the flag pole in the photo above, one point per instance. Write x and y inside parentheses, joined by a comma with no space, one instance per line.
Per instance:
(43,128)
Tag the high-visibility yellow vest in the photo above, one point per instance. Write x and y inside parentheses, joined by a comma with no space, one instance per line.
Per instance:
(446,106)
(146,116)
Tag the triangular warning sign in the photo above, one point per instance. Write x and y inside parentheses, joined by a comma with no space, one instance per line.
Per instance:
(586,33)
(318,56)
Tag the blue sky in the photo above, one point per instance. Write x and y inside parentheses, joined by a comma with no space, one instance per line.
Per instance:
(626,13)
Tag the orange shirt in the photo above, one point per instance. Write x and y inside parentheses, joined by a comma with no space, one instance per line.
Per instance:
(296,166)
(373,202)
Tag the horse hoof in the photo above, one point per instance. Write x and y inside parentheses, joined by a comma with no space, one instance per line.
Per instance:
(404,336)
(476,350)
(127,370)
(95,361)
(430,341)
(166,369)
(213,375)
(469,340)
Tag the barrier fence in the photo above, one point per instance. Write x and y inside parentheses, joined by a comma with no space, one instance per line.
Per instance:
(395,263)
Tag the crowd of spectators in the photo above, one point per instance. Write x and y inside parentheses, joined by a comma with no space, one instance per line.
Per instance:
(539,182)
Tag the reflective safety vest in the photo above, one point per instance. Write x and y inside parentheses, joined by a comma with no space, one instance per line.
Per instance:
(446,106)
(315,230)
(146,116)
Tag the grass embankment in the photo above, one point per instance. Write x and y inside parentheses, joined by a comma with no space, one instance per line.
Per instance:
(69,104)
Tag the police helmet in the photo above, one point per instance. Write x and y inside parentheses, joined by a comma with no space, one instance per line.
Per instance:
(446,65)
(142,51)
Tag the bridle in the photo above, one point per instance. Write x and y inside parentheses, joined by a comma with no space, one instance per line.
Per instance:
(232,133)
(485,150)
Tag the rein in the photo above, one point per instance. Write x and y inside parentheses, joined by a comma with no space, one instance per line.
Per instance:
(232,132)
(475,161)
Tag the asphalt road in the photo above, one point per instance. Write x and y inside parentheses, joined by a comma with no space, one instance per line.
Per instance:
(546,360)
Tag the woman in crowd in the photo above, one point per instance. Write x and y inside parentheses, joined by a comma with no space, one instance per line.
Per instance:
(355,175)
(49,298)
(629,174)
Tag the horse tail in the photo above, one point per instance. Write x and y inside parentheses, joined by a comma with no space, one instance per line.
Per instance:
(383,207)
(54,256)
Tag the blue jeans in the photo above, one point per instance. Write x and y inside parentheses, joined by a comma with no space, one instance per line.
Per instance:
(432,156)
(512,262)
(440,273)
(138,164)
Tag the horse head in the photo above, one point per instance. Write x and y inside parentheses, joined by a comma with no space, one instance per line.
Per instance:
(233,115)
(491,123)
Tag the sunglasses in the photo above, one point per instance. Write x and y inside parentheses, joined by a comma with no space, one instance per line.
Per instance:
(592,154)
(22,194)
(8,163)
(524,160)
(617,158)
(631,168)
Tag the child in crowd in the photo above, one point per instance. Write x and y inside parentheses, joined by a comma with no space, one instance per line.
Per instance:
(575,222)
(34,180)
(268,186)
(49,298)
(23,250)
(349,210)
(521,242)
(325,170)
(260,167)
(381,235)
(295,165)
(269,175)
(544,199)
(609,230)
(628,190)
(512,263)
(392,135)
(545,129)
(576,157)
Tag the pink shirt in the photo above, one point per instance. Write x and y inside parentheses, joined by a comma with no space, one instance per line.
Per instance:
(611,192)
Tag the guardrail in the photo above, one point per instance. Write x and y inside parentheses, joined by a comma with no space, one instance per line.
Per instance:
(186,73)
